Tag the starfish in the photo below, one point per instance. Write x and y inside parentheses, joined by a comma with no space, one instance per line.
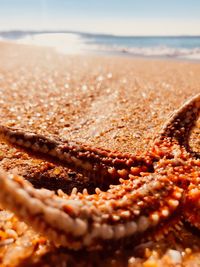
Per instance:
(148,194)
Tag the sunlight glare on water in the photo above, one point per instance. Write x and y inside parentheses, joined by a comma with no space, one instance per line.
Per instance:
(67,43)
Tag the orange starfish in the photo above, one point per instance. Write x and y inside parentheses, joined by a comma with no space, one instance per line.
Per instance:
(146,192)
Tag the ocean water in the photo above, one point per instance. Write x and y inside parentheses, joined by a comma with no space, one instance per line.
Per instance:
(167,46)
(147,46)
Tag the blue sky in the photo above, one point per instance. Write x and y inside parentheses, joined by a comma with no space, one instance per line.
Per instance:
(127,17)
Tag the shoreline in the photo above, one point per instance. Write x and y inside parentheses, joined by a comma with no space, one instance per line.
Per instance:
(84,51)
(129,55)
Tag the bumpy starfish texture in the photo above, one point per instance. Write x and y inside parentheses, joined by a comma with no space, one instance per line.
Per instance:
(147,193)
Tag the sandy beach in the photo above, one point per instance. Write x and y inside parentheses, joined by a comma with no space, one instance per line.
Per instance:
(113,102)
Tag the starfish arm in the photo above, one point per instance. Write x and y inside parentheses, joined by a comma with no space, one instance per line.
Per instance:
(182,121)
(95,163)
(81,220)
(191,211)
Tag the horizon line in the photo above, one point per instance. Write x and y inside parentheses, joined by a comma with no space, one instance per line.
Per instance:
(94,33)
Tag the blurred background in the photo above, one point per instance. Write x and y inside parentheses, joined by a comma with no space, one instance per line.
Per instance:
(130,27)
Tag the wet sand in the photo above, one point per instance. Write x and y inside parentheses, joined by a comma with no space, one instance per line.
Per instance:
(114,102)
